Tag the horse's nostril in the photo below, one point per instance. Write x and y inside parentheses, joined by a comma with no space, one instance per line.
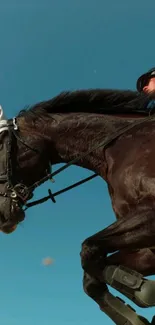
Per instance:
(17,213)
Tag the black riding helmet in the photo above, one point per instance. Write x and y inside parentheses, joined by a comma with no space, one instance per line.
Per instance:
(144,78)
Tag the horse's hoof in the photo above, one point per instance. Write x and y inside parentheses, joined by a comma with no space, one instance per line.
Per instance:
(120,313)
(146,295)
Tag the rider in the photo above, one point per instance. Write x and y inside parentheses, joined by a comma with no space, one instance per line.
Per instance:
(146,82)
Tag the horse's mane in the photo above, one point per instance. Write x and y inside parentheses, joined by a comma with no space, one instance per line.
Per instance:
(103,101)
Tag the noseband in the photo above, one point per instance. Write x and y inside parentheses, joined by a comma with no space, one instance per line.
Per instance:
(17,192)
(20,192)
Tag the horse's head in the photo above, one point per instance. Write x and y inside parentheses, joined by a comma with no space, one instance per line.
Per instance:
(50,132)
(22,163)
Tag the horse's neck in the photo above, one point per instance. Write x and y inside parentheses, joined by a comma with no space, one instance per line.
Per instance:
(74,134)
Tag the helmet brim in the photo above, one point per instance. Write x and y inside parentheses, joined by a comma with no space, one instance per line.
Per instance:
(142,80)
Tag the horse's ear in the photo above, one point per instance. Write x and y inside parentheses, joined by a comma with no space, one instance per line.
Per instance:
(2,116)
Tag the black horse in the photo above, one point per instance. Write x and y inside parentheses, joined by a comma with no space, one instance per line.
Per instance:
(112,133)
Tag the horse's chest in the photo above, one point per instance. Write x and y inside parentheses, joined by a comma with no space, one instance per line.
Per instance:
(131,176)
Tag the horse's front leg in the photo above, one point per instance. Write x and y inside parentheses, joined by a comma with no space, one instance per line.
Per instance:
(135,232)
(112,306)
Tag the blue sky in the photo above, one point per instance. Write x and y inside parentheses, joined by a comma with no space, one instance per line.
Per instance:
(46,47)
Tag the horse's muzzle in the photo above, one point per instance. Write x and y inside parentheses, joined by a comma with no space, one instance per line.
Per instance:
(8,230)
(11,216)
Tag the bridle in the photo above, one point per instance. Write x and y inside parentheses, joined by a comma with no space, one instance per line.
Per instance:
(20,192)
(17,192)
